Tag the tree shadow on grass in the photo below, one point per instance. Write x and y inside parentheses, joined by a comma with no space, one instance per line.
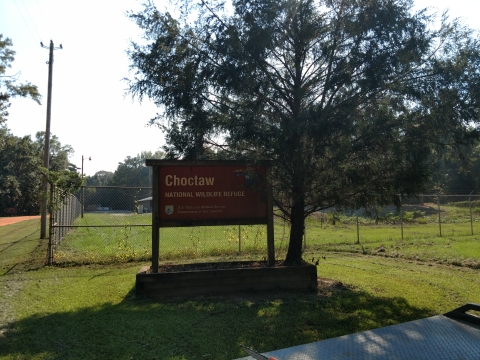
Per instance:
(203,327)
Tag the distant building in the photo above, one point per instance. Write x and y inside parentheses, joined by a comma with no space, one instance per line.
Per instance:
(92,207)
(144,205)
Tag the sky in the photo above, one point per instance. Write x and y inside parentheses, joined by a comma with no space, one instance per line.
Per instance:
(90,109)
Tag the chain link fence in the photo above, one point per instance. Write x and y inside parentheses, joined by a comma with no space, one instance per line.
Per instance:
(63,217)
(113,224)
(429,216)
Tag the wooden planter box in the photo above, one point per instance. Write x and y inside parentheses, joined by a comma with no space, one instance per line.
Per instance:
(219,281)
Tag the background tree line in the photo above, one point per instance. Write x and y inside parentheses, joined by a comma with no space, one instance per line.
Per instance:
(21,161)
(131,173)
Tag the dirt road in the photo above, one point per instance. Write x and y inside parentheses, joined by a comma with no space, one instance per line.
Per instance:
(14,219)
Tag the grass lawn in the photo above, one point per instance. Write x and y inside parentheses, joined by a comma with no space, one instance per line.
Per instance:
(415,238)
(454,248)
(132,237)
(18,243)
(88,312)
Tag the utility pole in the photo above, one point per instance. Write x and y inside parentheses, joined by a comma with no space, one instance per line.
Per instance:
(83,188)
(46,150)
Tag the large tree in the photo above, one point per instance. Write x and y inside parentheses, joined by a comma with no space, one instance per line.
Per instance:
(59,154)
(9,85)
(349,98)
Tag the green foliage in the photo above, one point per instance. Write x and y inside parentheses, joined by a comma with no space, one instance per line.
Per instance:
(408,216)
(59,154)
(457,175)
(353,101)
(21,162)
(20,176)
(133,172)
(9,86)
(126,248)
(101,178)
(475,204)
(65,183)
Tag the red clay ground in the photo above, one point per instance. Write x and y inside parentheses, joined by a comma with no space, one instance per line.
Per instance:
(14,219)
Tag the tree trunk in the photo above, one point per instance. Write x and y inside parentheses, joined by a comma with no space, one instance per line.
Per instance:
(297,218)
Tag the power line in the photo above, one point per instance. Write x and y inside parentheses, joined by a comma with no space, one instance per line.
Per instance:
(43,19)
(52,19)
(25,21)
(31,20)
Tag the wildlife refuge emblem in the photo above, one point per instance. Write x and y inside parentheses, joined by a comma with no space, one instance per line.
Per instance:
(169,209)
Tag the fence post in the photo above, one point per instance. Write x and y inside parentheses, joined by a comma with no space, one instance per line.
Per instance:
(358,231)
(304,236)
(439,217)
(50,230)
(239,240)
(82,194)
(60,221)
(471,215)
(401,214)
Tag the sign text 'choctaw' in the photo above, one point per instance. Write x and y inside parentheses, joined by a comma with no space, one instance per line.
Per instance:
(174,180)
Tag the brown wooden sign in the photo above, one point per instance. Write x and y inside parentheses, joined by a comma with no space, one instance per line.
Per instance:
(212,192)
(190,193)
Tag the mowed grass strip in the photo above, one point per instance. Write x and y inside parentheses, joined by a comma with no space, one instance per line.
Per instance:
(17,244)
(92,312)
(444,286)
